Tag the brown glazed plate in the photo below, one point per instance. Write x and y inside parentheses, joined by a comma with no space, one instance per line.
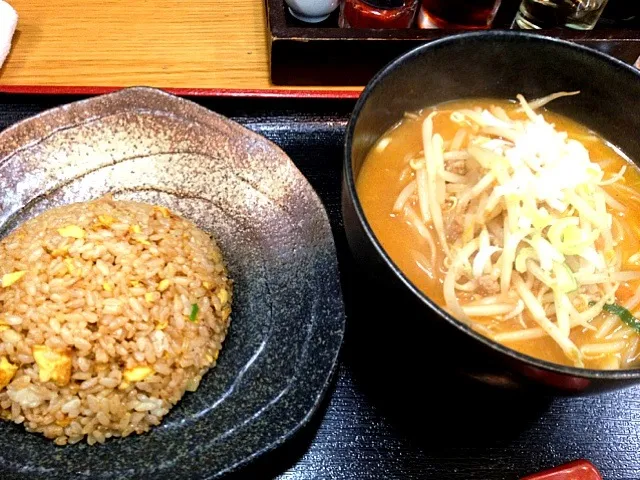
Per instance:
(288,319)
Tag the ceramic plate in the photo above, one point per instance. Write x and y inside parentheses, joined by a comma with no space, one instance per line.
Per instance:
(288,318)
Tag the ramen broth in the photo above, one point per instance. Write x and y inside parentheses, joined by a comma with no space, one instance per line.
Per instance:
(385,173)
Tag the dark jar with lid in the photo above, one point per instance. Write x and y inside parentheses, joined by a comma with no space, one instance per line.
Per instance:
(378,13)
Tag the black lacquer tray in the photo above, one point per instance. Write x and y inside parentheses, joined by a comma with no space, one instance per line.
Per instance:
(390,413)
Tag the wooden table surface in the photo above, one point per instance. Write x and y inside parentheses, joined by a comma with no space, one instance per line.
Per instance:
(201,44)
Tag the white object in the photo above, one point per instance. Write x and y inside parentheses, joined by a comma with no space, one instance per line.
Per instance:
(311,11)
(8,22)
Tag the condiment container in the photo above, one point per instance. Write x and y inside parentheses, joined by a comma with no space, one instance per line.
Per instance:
(378,13)
(312,11)
(463,14)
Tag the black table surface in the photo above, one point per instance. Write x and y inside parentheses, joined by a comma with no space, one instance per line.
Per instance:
(390,415)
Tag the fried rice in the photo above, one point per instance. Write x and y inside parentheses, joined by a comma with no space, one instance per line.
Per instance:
(109,312)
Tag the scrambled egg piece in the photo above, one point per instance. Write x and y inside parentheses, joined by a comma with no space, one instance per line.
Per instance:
(107,287)
(70,266)
(106,220)
(223,295)
(64,422)
(141,240)
(137,374)
(72,231)
(206,285)
(164,284)
(164,211)
(136,229)
(211,358)
(58,252)
(150,297)
(9,279)
(162,325)
(54,365)
(7,371)
(193,383)
(134,283)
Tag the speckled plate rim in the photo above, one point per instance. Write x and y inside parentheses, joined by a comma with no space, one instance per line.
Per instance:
(32,130)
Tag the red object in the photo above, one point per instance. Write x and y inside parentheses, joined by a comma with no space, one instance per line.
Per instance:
(378,13)
(578,470)
(467,14)
(196,92)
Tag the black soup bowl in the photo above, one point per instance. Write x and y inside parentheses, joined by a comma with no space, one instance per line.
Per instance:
(485,65)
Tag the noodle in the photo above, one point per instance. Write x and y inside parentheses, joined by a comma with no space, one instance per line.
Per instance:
(488,310)
(613,203)
(456,155)
(458,138)
(607,326)
(520,335)
(432,182)
(499,113)
(423,194)
(596,349)
(632,352)
(541,102)
(422,229)
(537,313)
(407,192)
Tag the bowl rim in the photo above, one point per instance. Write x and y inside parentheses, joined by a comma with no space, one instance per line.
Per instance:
(348,174)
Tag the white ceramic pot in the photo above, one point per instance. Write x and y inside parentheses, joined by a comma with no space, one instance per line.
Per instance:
(312,11)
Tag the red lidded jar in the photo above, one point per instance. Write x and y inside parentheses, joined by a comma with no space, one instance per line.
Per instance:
(378,13)
(465,14)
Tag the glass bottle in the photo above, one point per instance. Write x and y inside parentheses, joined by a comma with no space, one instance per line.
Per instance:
(377,13)
(465,14)
(575,14)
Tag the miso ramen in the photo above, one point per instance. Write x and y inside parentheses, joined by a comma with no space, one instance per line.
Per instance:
(518,221)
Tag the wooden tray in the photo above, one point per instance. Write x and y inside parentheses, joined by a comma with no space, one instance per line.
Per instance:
(323,54)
